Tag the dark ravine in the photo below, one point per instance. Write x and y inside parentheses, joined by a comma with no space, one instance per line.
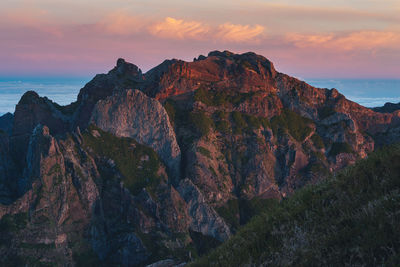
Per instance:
(159,166)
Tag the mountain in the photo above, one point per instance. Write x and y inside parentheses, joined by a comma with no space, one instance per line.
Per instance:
(351,219)
(168,164)
(387,108)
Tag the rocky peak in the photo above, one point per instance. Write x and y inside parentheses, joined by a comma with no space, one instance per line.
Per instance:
(387,108)
(123,76)
(126,68)
(29,97)
(41,145)
(29,112)
(219,70)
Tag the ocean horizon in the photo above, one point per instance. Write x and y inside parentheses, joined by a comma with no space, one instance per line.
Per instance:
(366,92)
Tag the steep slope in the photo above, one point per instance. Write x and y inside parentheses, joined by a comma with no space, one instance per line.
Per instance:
(351,219)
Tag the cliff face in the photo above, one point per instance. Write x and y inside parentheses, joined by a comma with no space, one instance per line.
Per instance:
(130,177)
(132,114)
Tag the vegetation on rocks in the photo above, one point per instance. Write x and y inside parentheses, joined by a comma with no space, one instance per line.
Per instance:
(317,140)
(12,223)
(204,151)
(291,122)
(246,122)
(202,123)
(215,98)
(340,147)
(237,212)
(349,219)
(137,163)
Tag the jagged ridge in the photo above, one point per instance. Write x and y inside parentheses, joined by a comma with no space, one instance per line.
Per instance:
(231,132)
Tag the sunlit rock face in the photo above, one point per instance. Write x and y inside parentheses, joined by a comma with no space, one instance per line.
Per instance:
(132,114)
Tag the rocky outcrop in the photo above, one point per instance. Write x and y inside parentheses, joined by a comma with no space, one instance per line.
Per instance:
(387,108)
(219,70)
(123,76)
(6,122)
(132,114)
(204,218)
(30,111)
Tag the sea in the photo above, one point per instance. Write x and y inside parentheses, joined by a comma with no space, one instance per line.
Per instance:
(369,93)
(60,90)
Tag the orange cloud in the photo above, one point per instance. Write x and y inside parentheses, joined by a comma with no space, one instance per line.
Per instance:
(239,33)
(302,40)
(179,29)
(367,40)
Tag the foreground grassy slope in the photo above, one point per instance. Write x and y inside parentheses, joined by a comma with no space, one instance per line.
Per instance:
(350,219)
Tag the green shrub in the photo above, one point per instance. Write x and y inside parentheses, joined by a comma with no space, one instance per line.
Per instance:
(202,123)
(317,140)
(220,115)
(338,148)
(216,98)
(351,219)
(169,106)
(325,112)
(203,243)
(291,122)
(238,212)
(13,222)
(137,163)
(239,120)
(230,213)
(248,122)
(210,97)
(87,258)
(204,151)
(223,126)
(241,98)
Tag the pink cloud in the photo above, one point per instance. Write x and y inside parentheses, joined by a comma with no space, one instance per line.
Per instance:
(239,33)
(35,42)
(179,29)
(365,40)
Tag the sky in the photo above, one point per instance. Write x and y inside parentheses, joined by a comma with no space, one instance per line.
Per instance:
(304,38)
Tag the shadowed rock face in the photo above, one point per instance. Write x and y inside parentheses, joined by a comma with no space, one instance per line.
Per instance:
(6,122)
(387,108)
(30,111)
(142,166)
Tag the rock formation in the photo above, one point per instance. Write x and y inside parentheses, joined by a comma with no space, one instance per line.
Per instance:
(157,166)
